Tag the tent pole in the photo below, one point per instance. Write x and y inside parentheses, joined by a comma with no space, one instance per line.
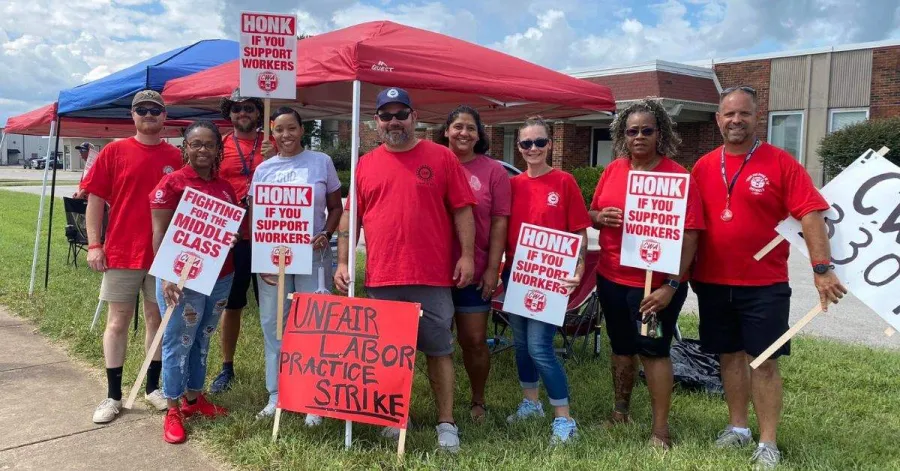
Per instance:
(5,154)
(37,231)
(354,158)
(52,198)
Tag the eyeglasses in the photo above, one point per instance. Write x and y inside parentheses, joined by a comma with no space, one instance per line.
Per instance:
(400,115)
(141,111)
(743,88)
(246,108)
(633,132)
(197,145)
(539,143)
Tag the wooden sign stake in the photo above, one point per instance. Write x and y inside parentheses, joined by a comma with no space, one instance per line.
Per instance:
(787,336)
(267,111)
(648,281)
(277,424)
(401,445)
(154,346)
(279,332)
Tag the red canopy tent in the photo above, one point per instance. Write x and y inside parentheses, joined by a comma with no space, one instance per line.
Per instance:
(439,71)
(37,123)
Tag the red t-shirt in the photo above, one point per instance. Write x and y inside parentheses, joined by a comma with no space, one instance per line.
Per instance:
(772,186)
(232,169)
(552,200)
(611,191)
(124,174)
(168,193)
(406,202)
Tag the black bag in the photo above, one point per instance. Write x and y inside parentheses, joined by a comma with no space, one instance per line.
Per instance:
(695,369)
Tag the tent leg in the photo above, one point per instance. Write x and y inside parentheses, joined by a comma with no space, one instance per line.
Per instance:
(37,231)
(354,158)
(52,198)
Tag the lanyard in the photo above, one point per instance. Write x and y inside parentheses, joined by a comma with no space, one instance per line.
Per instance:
(245,166)
(730,187)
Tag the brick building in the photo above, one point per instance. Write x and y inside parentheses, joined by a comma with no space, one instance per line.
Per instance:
(803,96)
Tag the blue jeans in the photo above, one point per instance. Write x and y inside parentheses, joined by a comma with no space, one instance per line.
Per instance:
(185,343)
(536,358)
(268,312)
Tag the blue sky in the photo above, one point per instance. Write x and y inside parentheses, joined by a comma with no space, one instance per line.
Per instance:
(48,45)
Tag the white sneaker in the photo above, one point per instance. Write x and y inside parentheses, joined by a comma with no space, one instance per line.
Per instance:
(313,420)
(107,411)
(268,411)
(157,400)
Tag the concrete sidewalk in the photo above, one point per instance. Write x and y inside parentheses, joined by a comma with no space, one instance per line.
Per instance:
(46,404)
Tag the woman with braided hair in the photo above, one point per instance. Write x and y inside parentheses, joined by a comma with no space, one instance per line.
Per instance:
(644,137)
(185,343)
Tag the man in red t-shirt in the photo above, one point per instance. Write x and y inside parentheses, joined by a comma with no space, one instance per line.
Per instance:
(747,188)
(125,172)
(243,150)
(410,195)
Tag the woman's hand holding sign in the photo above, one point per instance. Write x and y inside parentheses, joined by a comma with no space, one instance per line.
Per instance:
(658,300)
(171,293)
(610,217)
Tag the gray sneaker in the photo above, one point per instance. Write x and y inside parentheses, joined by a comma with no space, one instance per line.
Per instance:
(448,437)
(766,456)
(728,438)
(527,409)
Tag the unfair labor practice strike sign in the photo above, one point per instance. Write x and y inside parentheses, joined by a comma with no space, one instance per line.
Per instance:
(268,55)
(653,224)
(863,226)
(202,226)
(282,221)
(544,257)
(349,358)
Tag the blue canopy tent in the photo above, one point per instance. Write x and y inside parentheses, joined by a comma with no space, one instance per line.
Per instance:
(110,98)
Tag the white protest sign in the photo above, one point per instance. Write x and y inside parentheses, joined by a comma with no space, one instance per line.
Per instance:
(202,226)
(864,232)
(282,220)
(543,258)
(653,223)
(268,55)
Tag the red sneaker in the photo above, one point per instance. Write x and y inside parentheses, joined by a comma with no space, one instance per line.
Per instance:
(173,427)
(203,407)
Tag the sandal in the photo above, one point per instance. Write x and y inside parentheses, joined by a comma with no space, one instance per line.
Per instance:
(478,417)
(661,443)
(617,418)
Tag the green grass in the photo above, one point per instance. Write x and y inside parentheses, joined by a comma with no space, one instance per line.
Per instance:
(26,182)
(842,402)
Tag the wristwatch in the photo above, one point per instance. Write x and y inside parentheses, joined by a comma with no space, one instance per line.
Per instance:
(674,284)
(822,268)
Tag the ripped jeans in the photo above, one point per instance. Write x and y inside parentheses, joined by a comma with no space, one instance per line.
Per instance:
(185,342)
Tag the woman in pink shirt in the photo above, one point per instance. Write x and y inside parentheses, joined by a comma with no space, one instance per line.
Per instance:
(464,135)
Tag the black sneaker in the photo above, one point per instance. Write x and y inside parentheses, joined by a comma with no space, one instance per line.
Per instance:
(222,382)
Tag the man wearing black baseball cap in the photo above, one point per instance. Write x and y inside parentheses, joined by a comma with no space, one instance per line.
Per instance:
(409,247)
(84,149)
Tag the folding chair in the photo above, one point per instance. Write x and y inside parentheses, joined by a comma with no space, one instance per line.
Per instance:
(582,318)
(76,228)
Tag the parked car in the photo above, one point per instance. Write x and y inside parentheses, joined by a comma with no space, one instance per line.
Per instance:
(31,162)
(40,163)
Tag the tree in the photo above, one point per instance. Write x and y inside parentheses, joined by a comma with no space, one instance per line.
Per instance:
(840,148)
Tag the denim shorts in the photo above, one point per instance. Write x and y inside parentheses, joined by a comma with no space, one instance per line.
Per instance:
(468,300)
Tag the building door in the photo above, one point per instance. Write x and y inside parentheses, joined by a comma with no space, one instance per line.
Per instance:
(602,153)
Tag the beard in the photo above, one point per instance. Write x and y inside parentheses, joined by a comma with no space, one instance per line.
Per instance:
(241,126)
(150,127)
(395,137)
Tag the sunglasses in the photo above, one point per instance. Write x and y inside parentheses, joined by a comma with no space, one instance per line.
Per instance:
(539,143)
(197,145)
(246,108)
(400,115)
(141,111)
(633,132)
(743,88)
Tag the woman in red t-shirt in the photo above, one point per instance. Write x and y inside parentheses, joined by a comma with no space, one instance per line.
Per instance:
(464,135)
(549,198)
(644,137)
(185,343)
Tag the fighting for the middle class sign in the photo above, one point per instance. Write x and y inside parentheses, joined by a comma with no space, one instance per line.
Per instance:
(544,257)
(282,222)
(653,224)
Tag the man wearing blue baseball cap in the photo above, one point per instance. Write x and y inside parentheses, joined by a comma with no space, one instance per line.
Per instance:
(409,247)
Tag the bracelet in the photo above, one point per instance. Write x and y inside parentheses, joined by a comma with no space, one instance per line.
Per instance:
(95,246)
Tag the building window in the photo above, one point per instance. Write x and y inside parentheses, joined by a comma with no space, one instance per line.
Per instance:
(786,132)
(509,146)
(841,118)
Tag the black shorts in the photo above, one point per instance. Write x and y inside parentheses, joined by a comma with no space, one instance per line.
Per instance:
(743,318)
(237,299)
(621,308)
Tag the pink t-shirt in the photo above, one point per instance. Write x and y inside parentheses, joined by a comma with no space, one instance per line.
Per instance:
(489,182)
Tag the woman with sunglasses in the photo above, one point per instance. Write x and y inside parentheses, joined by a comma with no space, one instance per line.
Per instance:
(185,343)
(464,135)
(644,137)
(294,164)
(549,198)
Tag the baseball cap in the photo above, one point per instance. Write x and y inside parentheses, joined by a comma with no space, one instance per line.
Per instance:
(84,146)
(147,96)
(392,95)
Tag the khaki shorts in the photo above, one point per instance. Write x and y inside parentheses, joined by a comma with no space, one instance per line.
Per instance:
(123,286)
